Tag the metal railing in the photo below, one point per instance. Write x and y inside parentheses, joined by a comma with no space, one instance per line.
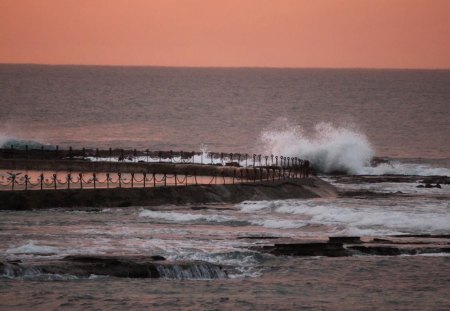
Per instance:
(69,180)
(147,156)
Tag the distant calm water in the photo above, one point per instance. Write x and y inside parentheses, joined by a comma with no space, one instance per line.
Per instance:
(404,113)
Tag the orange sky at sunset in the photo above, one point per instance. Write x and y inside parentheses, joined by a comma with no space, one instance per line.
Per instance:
(263,33)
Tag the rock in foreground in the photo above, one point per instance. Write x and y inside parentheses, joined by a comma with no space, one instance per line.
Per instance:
(116,266)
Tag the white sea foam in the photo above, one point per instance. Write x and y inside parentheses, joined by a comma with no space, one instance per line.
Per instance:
(398,168)
(32,248)
(329,148)
(417,217)
(184,217)
(279,223)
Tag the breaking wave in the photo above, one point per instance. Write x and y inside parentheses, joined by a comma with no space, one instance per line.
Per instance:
(191,218)
(329,148)
(18,143)
(356,218)
(336,149)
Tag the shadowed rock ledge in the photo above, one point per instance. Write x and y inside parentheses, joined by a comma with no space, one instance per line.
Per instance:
(350,246)
(116,266)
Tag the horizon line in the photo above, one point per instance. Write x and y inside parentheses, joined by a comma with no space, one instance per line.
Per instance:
(225,67)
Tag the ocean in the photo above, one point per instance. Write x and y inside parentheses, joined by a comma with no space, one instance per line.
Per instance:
(339,119)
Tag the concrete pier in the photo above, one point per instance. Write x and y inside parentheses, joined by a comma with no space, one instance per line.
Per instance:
(312,187)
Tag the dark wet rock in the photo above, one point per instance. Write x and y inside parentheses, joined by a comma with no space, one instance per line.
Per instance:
(307,249)
(117,266)
(441,180)
(232,164)
(389,250)
(198,208)
(345,239)
(349,246)
(376,250)
(430,186)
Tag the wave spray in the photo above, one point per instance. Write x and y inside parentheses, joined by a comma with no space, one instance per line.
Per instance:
(329,148)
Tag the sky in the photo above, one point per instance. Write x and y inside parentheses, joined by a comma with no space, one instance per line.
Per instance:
(228,33)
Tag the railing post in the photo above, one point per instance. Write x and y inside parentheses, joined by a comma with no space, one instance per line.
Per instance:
(69,178)
(13,180)
(120,179)
(94,178)
(165,179)
(55,180)
(154,180)
(132,180)
(175,174)
(145,177)
(42,180)
(26,182)
(107,180)
(81,180)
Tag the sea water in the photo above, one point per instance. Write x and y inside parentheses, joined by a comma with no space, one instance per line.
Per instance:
(338,119)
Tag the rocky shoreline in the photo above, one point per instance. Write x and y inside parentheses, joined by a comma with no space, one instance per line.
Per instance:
(357,246)
(157,267)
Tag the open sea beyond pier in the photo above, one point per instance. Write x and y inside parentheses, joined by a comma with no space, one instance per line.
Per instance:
(380,242)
